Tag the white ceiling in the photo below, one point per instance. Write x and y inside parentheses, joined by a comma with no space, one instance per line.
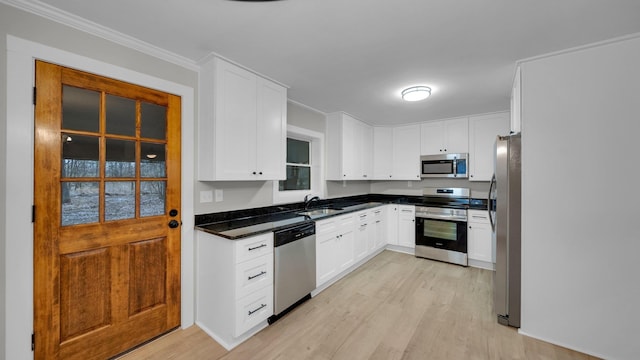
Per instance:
(356,55)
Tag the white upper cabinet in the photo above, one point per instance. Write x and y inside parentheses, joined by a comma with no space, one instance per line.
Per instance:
(383,153)
(515,104)
(396,153)
(242,127)
(349,148)
(444,136)
(483,130)
(406,152)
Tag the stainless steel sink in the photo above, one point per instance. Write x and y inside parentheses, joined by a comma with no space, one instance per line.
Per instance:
(317,212)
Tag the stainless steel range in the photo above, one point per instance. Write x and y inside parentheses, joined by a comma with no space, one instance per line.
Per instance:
(441,225)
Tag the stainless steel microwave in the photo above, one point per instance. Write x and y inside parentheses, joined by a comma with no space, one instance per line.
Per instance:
(444,166)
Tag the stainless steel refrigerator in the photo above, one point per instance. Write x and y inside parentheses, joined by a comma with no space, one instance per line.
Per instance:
(504,213)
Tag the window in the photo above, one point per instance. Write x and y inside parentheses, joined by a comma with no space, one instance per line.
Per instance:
(305,149)
(298,166)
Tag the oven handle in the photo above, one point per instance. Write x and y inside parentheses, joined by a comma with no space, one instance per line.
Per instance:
(441,217)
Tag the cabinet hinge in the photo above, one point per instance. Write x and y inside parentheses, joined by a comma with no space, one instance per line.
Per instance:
(33,341)
(33,213)
(34,95)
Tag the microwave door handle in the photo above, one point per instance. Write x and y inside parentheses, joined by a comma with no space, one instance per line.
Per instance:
(455,167)
(490,203)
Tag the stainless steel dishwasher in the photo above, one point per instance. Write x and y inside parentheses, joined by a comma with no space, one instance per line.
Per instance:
(294,265)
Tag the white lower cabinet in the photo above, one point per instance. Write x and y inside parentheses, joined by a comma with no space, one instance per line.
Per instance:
(335,248)
(379,228)
(363,235)
(479,243)
(407,226)
(392,224)
(234,286)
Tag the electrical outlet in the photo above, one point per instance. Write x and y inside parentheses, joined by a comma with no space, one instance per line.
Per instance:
(219,195)
(206,196)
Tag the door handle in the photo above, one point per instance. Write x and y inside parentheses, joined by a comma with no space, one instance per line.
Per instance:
(174,224)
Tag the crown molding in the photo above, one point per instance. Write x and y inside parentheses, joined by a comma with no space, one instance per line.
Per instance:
(54,14)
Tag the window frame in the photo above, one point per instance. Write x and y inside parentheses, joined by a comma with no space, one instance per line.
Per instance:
(316,160)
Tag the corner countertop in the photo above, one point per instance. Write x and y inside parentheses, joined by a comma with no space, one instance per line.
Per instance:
(246,226)
(240,224)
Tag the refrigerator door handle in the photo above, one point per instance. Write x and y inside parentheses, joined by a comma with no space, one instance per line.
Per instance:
(490,203)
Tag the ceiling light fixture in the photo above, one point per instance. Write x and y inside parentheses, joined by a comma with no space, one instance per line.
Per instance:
(416,93)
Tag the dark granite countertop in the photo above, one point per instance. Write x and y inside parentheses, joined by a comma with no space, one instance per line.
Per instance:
(239,224)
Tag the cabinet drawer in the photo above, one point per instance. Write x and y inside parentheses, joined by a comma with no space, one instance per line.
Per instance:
(251,310)
(478,216)
(253,275)
(254,247)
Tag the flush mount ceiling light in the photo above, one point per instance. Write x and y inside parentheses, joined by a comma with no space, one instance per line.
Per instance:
(416,93)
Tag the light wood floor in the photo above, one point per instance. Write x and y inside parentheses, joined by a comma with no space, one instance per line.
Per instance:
(395,306)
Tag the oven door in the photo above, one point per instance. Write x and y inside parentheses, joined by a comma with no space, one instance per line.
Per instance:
(442,234)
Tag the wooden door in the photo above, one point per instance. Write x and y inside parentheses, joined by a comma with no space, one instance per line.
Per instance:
(107,185)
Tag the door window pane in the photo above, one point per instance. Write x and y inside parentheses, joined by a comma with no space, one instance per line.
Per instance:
(80,202)
(121,158)
(80,156)
(298,178)
(121,116)
(153,121)
(119,200)
(152,198)
(152,160)
(80,109)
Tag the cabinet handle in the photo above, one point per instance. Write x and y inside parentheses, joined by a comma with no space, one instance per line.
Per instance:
(260,173)
(255,276)
(469,227)
(471,175)
(258,309)
(257,247)
(253,173)
(377,222)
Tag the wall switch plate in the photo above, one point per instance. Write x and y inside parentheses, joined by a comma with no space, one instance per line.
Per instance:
(219,195)
(206,196)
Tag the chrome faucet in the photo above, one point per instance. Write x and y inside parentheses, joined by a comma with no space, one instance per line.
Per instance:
(308,201)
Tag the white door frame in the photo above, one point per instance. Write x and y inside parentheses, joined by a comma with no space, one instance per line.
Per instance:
(21,56)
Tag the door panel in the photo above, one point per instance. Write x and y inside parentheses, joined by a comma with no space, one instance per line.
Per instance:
(107,171)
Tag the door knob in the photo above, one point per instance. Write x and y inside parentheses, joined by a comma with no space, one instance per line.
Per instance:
(173,212)
(174,224)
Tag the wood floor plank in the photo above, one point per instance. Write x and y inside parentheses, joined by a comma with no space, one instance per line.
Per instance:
(394,307)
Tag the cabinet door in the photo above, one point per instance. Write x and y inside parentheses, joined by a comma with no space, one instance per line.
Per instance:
(457,136)
(379,227)
(479,240)
(392,224)
(345,250)
(271,139)
(235,117)
(326,259)
(361,238)
(482,136)
(406,152)
(432,136)
(366,151)
(406,226)
(351,169)
(383,153)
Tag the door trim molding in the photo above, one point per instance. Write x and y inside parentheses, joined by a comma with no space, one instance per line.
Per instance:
(21,56)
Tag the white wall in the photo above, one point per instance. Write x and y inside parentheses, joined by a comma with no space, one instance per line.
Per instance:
(64,45)
(580,196)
